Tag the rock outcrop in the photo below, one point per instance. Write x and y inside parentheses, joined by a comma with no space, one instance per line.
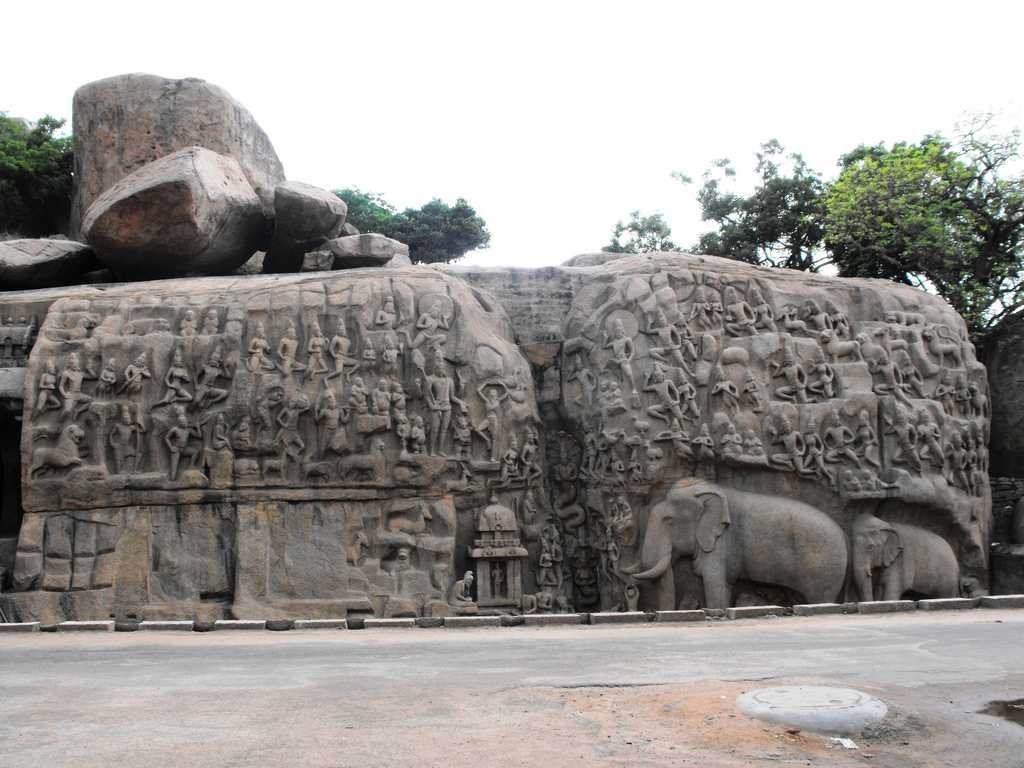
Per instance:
(669,431)
(191,212)
(44,263)
(122,123)
(305,217)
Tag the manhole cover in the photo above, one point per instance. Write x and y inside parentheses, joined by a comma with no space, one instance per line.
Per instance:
(814,708)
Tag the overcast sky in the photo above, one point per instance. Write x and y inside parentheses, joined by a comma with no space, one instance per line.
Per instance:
(554,119)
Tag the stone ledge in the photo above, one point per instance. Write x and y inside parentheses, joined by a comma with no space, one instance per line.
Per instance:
(948,603)
(240,624)
(886,606)
(678,616)
(1002,601)
(624,617)
(430,622)
(389,624)
(160,626)
(320,624)
(754,611)
(553,619)
(85,626)
(818,609)
(19,626)
(466,622)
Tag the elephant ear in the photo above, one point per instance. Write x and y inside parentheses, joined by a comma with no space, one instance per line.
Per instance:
(892,548)
(713,519)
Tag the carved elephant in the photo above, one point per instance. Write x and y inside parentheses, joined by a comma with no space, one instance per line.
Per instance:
(892,559)
(734,535)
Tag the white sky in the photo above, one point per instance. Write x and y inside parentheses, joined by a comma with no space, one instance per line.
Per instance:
(554,119)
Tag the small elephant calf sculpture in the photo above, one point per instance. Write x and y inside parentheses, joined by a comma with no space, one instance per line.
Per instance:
(904,557)
(734,535)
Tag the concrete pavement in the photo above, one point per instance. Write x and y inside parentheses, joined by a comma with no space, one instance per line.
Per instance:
(636,695)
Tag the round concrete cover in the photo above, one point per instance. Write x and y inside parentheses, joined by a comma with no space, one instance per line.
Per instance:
(814,708)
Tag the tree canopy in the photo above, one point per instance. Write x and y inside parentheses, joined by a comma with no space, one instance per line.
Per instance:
(641,234)
(35,177)
(437,232)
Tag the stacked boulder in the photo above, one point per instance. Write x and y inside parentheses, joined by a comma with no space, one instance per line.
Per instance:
(175,178)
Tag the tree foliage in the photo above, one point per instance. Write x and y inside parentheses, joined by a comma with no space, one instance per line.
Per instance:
(780,224)
(35,177)
(437,232)
(939,214)
(641,234)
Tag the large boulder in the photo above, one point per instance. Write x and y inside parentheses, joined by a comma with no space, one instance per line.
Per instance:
(124,122)
(190,213)
(304,218)
(44,263)
(369,250)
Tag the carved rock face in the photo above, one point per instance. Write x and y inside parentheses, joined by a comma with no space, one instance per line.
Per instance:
(701,432)
(122,123)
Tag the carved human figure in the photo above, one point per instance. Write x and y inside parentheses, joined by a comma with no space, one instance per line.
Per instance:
(764,315)
(432,330)
(135,376)
(731,444)
(220,440)
(462,435)
(403,431)
(906,439)
(389,355)
(752,445)
(740,319)
(839,320)
(207,393)
(358,397)
(929,440)
(125,438)
(529,456)
(609,398)
(838,440)
(509,462)
(241,435)
(369,360)
(70,387)
(669,347)
(912,381)
(46,397)
(891,382)
(623,352)
(211,322)
(962,395)
(187,326)
(814,455)
(175,380)
(439,396)
(867,440)
(287,349)
(316,351)
(725,391)
(418,436)
(814,318)
(667,408)
(587,380)
(703,445)
(108,378)
(789,317)
(386,315)
(340,349)
(794,375)
(462,592)
(792,455)
(822,381)
(752,393)
(288,438)
(706,310)
(178,438)
(330,419)
(380,401)
(259,351)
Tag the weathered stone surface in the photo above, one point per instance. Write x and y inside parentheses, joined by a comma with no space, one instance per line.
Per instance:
(189,213)
(122,123)
(948,604)
(886,606)
(305,217)
(754,611)
(679,616)
(44,263)
(368,250)
(622,617)
(818,609)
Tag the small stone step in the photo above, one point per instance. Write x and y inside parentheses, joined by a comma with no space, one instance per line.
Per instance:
(553,619)
(166,626)
(389,624)
(754,611)
(618,617)
(468,622)
(320,624)
(240,624)
(818,609)
(676,616)
(85,626)
(948,603)
(886,606)
(19,626)
(1002,601)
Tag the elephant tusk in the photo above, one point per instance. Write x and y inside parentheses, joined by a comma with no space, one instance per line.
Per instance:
(656,570)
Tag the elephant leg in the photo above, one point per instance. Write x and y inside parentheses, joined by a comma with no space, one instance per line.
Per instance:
(865,589)
(717,589)
(893,585)
(667,591)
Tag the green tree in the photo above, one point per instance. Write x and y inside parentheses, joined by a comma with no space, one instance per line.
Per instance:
(35,177)
(941,215)
(780,224)
(437,232)
(641,234)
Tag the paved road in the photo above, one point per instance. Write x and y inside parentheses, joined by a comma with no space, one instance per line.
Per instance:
(631,695)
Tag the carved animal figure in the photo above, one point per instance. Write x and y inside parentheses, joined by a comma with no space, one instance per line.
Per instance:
(63,455)
(732,535)
(891,559)
(373,464)
(837,347)
(952,348)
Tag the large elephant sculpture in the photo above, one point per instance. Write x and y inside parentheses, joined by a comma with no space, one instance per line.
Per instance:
(733,535)
(891,559)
